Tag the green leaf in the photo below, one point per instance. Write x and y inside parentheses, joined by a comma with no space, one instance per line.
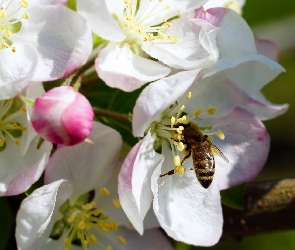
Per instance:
(6,222)
(233,197)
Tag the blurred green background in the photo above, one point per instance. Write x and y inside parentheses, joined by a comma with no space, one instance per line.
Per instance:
(273,20)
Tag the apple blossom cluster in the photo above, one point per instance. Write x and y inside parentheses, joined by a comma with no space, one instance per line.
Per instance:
(198,119)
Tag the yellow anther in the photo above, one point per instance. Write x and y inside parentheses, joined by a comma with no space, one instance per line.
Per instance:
(189,95)
(66,242)
(211,110)
(85,243)
(210,138)
(114,225)
(179,12)
(24,3)
(116,203)
(109,248)
(23,109)
(164,20)
(176,160)
(177,137)
(86,206)
(183,120)
(121,240)
(181,171)
(97,212)
(214,151)
(167,7)
(26,16)
(8,32)
(3,13)
(13,49)
(177,169)
(180,147)
(179,129)
(81,225)
(169,25)
(91,238)
(197,112)
(88,226)
(181,108)
(72,217)
(84,217)
(128,18)
(104,191)
(220,134)
(173,120)
(93,204)
(17,142)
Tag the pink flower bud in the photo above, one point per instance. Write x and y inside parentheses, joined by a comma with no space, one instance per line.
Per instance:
(63,116)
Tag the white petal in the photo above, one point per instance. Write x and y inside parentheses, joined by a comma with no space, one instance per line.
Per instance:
(16,69)
(195,47)
(86,165)
(60,48)
(45,2)
(100,19)
(18,172)
(38,213)
(135,181)
(121,68)
(186,211)
(158,96)
(224,3)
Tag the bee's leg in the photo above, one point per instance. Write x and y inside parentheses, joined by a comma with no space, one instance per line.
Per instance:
(171,172)
(186,156)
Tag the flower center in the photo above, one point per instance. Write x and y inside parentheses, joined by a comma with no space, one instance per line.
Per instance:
(146,21)
(80,221)
(172,128)
(10,110)
(11,16)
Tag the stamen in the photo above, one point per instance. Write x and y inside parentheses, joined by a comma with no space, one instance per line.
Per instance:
(182,171)
(177,161)
(197,112)
(180,147)
(211,110)
(220,134)
(104,191)
(121,240)
(116,203)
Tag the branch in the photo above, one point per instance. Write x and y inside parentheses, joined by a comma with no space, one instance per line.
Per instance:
(268,206)
(112,115)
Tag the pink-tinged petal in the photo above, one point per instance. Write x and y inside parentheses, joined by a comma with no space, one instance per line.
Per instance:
(38,213)
(235,38)
(86,165)
(60,50)
(135,181)
(16,69)
(246,145)
(186,211)
(100,19)
(121,68)
(18,172)
(236,5)
(245,71)
(152,239)
(25,179)
(158,96)
(195,47)
(267,48)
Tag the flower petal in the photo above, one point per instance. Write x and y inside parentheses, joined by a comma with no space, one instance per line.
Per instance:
(16,69)
(135,180)
(60,50)
(38,213)
(246,146)
(158,96)
(85,165)
(195,46)
(236,5)
(100,19)
(186,211)
(121,68)
(18,171)
(267,48)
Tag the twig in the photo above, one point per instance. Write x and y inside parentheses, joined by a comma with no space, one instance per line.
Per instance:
(268,206)
(112,115)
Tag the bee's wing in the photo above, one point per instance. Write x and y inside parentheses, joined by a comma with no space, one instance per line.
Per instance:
(216,151)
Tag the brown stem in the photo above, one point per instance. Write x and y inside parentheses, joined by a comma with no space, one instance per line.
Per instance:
(112,115)
(86,66)
(268,206)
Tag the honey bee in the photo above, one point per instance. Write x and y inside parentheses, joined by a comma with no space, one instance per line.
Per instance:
(202,151)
